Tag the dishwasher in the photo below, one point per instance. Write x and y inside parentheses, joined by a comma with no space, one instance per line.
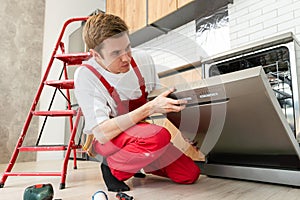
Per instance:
(244,114)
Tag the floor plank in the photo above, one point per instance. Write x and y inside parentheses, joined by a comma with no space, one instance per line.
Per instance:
(86,180)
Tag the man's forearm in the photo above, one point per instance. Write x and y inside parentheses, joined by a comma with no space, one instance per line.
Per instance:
(111,128)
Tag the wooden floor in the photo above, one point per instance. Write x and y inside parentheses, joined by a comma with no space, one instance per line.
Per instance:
(86,180)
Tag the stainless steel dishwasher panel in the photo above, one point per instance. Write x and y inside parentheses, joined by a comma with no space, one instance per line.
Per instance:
(243,117)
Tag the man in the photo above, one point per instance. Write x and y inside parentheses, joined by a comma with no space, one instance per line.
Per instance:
(112,88)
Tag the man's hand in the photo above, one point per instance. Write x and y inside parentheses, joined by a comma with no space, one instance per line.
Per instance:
(163,104)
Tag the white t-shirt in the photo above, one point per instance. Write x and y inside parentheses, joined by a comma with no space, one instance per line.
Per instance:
(96,103)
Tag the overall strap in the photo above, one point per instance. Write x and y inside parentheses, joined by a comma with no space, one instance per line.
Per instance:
(113,93)
(139,76)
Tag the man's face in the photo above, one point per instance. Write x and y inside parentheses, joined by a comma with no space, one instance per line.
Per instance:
(116,54)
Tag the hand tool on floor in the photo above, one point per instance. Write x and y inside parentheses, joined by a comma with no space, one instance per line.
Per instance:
(123,196)
(39,192)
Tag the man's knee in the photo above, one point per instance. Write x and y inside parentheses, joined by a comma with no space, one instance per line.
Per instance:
(195,173)
(190,177)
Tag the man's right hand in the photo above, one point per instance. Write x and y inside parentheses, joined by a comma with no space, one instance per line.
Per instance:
(164,104)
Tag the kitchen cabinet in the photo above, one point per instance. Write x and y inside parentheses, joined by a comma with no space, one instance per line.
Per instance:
(173,17)
(158,9)
(133,12)
(116,7)
(148,19)
(181,3)
(136,15)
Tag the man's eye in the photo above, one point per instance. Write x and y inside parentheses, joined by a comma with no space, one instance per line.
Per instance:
(116,53)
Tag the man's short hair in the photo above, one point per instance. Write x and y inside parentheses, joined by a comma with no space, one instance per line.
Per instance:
(100,27)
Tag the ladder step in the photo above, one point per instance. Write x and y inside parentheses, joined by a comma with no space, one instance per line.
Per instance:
(44,148)
(61,84)
(48,148)
(73,58)
(32,173)
(55,113)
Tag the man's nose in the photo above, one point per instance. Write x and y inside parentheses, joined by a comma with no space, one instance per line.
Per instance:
(125,57)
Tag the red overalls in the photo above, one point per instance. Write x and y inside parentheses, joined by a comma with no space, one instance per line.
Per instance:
(144,145)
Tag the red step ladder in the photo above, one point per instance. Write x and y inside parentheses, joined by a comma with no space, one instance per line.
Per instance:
(65,84)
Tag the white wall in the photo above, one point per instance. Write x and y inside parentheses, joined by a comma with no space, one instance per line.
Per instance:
(56,13)
(176,48)
(252,20)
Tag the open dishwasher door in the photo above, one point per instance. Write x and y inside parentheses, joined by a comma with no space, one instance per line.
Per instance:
(236,121)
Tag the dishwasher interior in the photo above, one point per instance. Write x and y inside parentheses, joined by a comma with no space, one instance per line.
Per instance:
(276,65)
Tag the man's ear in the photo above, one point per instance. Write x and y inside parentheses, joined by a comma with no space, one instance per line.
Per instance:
(94,53)
(97,56)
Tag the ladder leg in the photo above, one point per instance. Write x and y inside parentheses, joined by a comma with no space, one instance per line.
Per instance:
(75,157)
(16,150)
(70,146)
(9,167)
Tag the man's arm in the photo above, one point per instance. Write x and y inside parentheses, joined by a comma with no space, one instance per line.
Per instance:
(111,128)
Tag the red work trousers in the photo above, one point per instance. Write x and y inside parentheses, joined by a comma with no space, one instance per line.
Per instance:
(147,146)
